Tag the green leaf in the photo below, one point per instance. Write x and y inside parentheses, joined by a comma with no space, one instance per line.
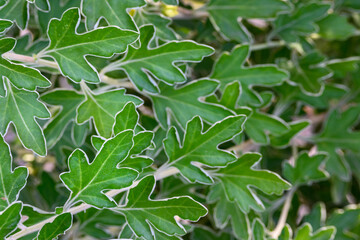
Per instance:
(139,62)
(9,219)
(307,169)
(88,181)
(238,177)
(69,100)
(300,22)
(335,27)
(230,67)
(336,135)
(93,222)
(11,181)
(305,233)
(43,5)
(20,108)
(17,11)
(225,211)
(258,230)
(127,118)
(53,229)
(258,125)
(316,218)
(201,147)
(4,25)
(161,23)
(346,221)
(144,214)
(115,12)
(184,103)
(309,74)
(69,49)
(103,107)
(224,15)
(19,75)
(284,139)
(57,8)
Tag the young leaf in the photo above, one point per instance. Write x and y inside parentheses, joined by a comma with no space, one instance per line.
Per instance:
(139,62)
(103,107)
(258,125)
(87,182)
(335,27)
(224,14)
(306,170)
(225,211)
(309,75)
(4,25)
(305,233)
(301,22)
(230,67)
(238,177)
(53,229)
(9,219)
(144,214)
(69,49)
(20,108)
(19,75)
(184,103)
(17,11)
(115,12)
(161,23)
(11,181)
(337,135)
(69,101)
(201,147)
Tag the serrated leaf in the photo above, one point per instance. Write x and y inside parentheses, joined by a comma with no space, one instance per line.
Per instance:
(335,27)
(9,219)
(226,211)
(19,75)
(53,229)
(290,26)
(4,25)
(201,147)
(309,74)
(161,23)
(283,140)
(20,108)
(346,221)
(87,182)
(127,118)
(238,177)
(336,136)
(11,181)
(143,214)
(305,233)
(69,49)
(258,125)
(306,170)
(139,62)
(69,100)
(17,11)
(103,107)
(114,11)
(57,8)
(224,14)
(184,103)
(230,67)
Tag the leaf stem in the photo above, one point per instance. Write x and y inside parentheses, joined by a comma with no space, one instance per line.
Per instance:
(27,59)
(266,45)
(284,213)
(82,207)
